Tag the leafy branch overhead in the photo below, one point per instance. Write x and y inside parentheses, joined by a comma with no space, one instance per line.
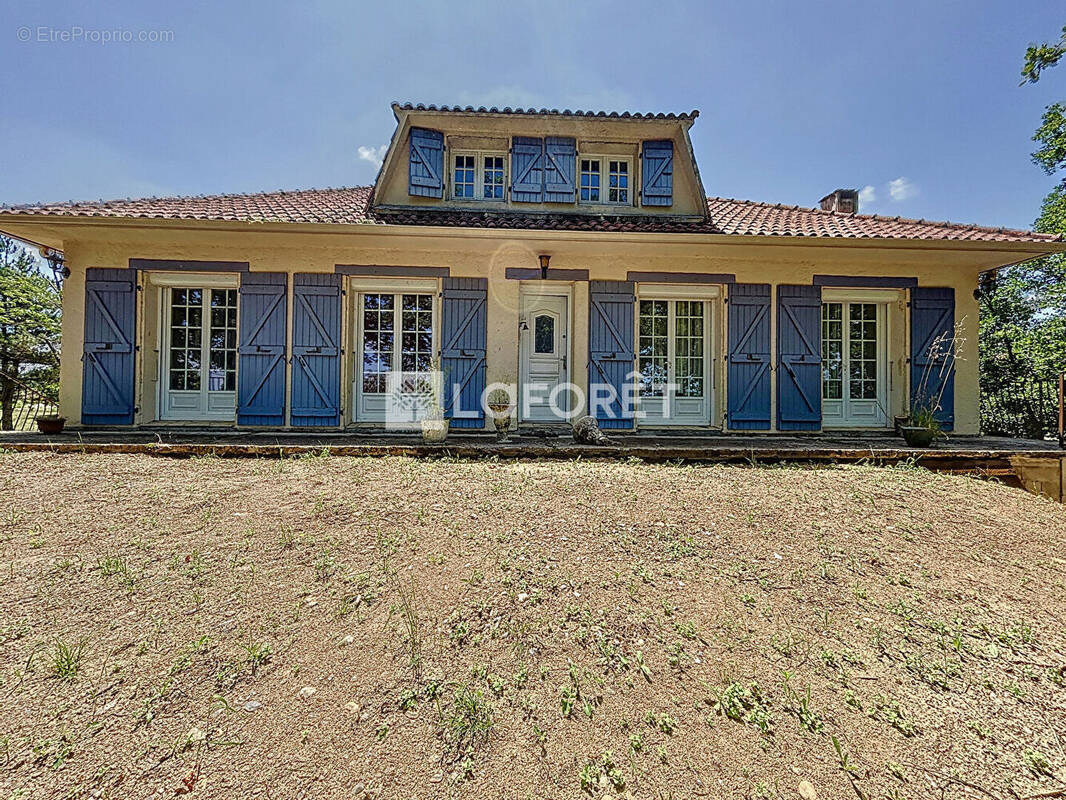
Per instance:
(1039,57)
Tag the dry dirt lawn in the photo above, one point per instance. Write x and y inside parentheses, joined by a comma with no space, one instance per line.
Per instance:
(330,627)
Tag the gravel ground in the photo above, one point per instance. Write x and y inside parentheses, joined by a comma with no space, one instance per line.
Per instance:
(347,628)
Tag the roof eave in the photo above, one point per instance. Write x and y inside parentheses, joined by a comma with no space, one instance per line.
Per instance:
(24,225)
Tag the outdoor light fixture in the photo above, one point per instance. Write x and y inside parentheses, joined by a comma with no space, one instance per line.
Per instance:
(544,258)
(56,262)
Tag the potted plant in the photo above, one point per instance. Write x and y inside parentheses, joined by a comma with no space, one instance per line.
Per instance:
(499,403)
(434,423)
(50,423)
(921,426)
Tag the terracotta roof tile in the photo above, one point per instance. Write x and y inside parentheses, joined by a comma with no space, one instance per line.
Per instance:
(544,112)
(351,205)
(345,205)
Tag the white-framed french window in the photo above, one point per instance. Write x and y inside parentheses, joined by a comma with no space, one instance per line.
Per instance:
(856,378)
(605,179)
(676,341)
(198,340)
(396,324)
(478,175)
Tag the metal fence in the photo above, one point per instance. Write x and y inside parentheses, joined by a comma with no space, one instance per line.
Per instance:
(21,404)
(1028,410)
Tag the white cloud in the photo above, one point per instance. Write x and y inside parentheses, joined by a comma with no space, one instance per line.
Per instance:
(375,155)
(901,189)
(867,195)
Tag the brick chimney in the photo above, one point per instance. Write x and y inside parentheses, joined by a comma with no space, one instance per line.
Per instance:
(846,201)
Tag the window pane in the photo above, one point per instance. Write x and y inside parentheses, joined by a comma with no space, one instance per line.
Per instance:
(688,348)
(544,334)
(590,179)
(652,348)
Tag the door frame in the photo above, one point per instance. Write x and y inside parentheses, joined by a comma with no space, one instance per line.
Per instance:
(159,284)
(711,295)
(528,289)
(884,298)
(352,289)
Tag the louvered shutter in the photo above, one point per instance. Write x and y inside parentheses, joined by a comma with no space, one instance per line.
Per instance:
(426,177)
(657,171)
(108,350)
(560,167)
(261,349)
(799,358)
(932,327)
(749,356)
(463,336)
(611,356)
(316,363)
(527,170)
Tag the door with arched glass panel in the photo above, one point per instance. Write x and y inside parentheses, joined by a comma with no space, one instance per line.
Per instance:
(543,350)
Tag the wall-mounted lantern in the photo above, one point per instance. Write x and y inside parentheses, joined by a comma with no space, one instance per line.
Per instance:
(544,258)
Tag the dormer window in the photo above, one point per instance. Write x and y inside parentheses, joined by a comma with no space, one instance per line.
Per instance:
(590,180)
(493,176)
(479,176)
(612,187)
(463,177)
(617,181)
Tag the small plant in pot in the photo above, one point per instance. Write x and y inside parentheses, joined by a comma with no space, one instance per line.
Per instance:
(922,426)
(50,423)
(499,403)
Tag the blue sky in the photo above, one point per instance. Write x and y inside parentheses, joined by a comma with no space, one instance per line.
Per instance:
(796,99)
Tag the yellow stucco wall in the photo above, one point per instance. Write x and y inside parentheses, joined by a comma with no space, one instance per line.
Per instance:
(488,253)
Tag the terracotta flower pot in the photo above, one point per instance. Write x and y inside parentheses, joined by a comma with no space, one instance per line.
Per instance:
(50,424)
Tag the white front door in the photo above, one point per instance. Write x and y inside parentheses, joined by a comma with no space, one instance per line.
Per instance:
(199,353)
(672,358)
(543,346)
(854,364)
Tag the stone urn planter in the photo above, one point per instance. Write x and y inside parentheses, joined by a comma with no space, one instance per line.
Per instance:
(499,403)
(50,423)
(434,431)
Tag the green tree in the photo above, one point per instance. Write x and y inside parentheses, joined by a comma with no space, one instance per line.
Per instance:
(30,309)
(1023,308)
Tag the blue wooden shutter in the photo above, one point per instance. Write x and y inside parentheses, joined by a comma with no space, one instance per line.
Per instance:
(261,349)
(560,169)
(932,317)
(611,353)
(799,358)
(426,176)
(463,335)
(527,170)
(657,171)
(108,351)
(316,351)
(749,356)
